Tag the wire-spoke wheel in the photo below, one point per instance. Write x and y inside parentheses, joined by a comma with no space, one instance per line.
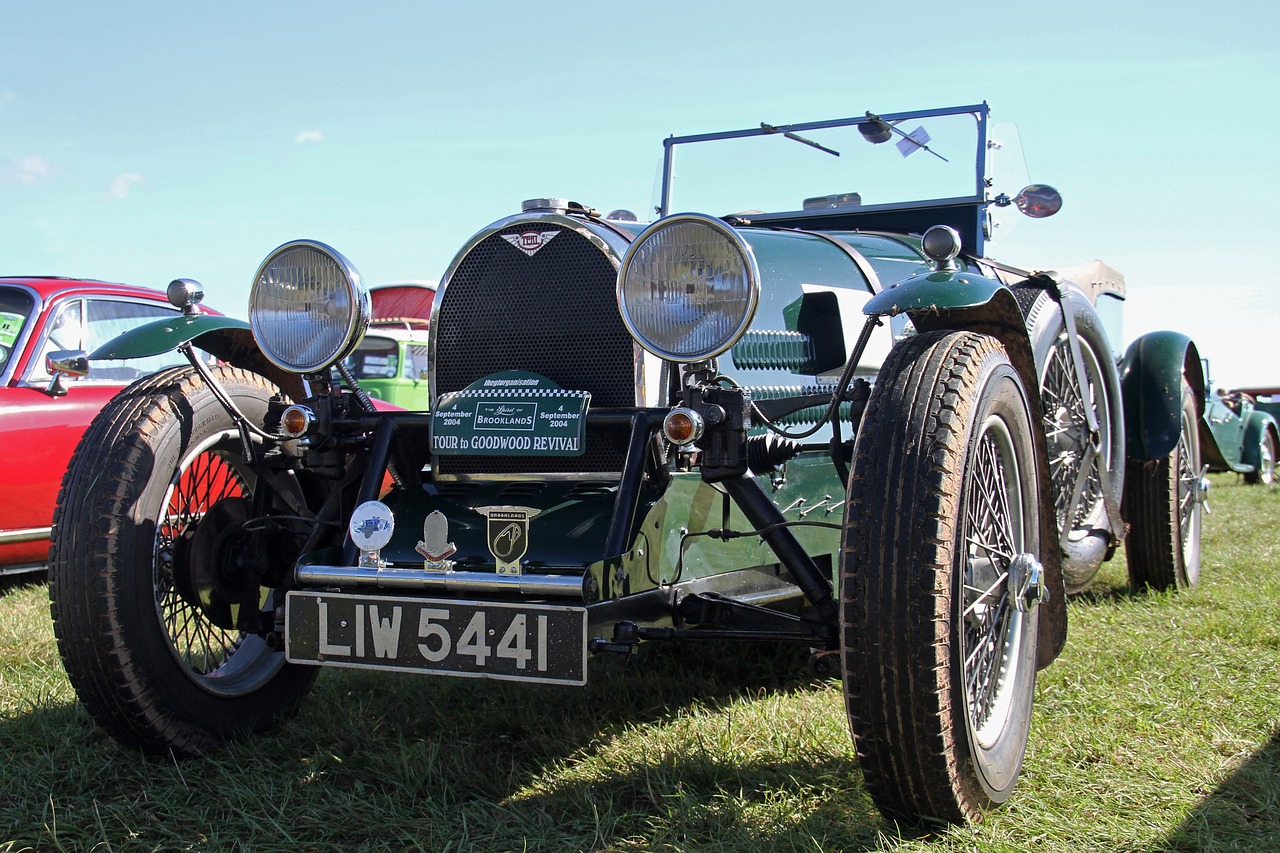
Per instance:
(147,616)
(1083,462)
(941,577)
(1266,473)
(221,660)
(1163,501)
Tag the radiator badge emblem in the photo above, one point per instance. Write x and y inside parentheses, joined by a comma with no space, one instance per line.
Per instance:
(507,534)
(530,242)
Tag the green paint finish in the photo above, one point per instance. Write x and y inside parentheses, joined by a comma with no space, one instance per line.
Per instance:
(10,326)
(934,291)
(780,350)
(690,508)
(412,394)
(566,535)
(165,335)
(1151,373)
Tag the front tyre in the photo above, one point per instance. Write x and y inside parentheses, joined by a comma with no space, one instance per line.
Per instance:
(1163,499)
(940,579)
(145,626)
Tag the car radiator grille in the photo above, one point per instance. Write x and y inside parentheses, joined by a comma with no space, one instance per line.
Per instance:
(553,313)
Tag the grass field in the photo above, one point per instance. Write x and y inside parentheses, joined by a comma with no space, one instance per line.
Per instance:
(1157,730)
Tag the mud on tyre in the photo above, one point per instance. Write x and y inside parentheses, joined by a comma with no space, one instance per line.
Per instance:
(940,576)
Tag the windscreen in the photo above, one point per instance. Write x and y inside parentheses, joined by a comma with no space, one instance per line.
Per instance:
(792,168)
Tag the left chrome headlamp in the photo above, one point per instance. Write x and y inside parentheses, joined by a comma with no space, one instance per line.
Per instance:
(688,287)
(308,308)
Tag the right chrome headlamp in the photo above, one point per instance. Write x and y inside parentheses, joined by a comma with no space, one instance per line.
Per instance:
(307,308)
(688,287)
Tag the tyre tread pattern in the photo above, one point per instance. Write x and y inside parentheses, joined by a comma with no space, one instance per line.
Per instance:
(1153,548)
(906,700)
(94,527)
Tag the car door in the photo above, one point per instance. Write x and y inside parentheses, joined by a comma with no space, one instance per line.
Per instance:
(39,432)
(1223,416)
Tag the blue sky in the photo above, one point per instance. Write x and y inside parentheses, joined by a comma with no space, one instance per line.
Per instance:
(144,141)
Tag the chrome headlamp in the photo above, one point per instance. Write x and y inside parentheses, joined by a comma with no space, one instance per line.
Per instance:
(307,308)
(688,287)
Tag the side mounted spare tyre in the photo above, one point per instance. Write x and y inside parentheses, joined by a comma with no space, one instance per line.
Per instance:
(940,579)
(145,627)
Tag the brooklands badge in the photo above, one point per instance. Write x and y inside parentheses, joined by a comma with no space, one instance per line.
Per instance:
(507,534)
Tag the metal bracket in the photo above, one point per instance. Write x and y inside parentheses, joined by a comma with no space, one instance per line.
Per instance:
(722,612)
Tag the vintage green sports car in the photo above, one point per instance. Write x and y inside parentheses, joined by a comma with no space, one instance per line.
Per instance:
(815,412)
(1240,432)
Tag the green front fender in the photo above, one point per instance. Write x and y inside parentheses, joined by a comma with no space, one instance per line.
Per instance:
(935,291)
(165,335)
(1151,374)
(225,338)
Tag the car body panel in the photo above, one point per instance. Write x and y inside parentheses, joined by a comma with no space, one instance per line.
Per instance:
(934,291)
(40,430)
(40,434)
(1266,398)
(1151,375)
(391,365)
(164,336)
(1232,431)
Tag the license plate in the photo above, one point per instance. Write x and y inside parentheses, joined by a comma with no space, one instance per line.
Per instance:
(515,642)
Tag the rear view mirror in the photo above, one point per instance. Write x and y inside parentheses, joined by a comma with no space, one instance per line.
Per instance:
(1038,201)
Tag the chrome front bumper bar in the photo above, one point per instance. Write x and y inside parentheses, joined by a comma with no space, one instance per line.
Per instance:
(568,586)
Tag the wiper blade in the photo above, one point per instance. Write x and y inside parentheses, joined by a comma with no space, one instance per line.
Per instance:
(888,129)
(768,128)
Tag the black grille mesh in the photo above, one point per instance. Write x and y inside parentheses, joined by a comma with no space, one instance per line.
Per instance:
(553,313)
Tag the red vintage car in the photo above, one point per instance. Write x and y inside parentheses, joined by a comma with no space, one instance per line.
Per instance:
(41,420)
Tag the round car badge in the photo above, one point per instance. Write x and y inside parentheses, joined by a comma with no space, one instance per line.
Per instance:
(371,527)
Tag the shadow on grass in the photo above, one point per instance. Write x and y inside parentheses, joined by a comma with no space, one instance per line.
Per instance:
(1242,813)
(13,582)
(386,761)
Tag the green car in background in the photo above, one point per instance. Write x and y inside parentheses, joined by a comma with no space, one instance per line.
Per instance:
(391,361)
(1244,430)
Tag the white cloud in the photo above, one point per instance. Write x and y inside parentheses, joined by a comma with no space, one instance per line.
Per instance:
(309,136)
(7,98)
(122,184)
(31,169)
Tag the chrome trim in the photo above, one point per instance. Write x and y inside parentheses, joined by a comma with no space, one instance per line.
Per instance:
(29,534)
(60,300)
(20,345)
(750,271)
(527,584)
(606,239)
(361,305)
(614,245)
(23,568)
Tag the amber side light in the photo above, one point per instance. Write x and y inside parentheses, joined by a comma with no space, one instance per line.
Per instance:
(682,426)
(296,421)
